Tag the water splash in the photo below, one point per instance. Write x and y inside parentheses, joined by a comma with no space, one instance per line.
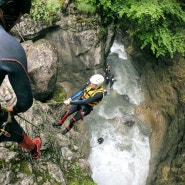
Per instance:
(123,157)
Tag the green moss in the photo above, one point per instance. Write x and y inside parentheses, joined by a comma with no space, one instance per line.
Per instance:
(24,168)
(3,164)
(45,177)
(46,10)
(77,177)
(14,169)
(85,8)
(101,33)
(59,95)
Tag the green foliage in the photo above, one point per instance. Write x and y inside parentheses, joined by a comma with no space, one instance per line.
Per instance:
(24,168)
(59,95)
(159,26)
(77,177)
(102,32)
(156,24)
(84,7)
(45,10)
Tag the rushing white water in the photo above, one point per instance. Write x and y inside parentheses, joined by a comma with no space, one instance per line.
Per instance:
(123,157)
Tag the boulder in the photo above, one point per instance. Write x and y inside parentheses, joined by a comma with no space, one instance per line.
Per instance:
(42,67)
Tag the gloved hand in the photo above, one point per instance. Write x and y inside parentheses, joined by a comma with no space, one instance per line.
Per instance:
(67,102)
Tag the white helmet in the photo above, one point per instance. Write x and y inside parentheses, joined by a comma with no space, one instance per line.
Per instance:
(97,79)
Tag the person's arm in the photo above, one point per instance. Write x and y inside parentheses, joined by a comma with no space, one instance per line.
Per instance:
(20,83)
(96,97)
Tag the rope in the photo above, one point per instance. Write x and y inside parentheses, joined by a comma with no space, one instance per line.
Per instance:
(19,33)
(36,104)
(45,132)
(48,133)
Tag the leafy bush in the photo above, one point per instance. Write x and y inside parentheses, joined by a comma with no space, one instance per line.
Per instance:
(158,25)
(84,7)
(45,10)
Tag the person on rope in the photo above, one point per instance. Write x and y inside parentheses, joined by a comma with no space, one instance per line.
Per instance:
(91,96)
(13,63)
(109,78)
(112,80)
(107,74)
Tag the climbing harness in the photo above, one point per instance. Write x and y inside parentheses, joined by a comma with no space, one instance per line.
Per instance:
(2,127)
(3,131)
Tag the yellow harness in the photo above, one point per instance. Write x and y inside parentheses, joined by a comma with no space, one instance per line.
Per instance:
(89,92)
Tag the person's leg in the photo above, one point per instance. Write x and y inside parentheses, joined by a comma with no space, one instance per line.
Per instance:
(79,115)
(71,110)
(18,135)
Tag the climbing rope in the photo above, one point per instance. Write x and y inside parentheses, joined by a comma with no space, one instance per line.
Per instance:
(44,131)
(21,117)
(35,104)
(19,33)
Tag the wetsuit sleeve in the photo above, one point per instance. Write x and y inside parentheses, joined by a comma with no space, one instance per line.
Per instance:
(96,97)
(13,63)
(20,83)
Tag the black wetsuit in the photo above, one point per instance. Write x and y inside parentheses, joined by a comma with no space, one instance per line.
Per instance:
(13,63)
(81,107)
(107,76)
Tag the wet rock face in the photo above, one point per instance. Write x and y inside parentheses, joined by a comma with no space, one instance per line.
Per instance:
(58,153)
(80,45)
(163,111)
(42,67)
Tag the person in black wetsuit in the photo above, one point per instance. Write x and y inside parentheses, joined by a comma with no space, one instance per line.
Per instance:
(112,80)
(13,63)
(107,74)
(90,97)
(109,78)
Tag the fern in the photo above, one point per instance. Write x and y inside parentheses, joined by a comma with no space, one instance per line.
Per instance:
(44,10)
(156,24)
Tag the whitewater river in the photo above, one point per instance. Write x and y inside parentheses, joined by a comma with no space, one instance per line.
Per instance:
(123,157)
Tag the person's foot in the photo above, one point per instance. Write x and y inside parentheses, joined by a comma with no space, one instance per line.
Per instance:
(56,124)
(65,131)
(36,152)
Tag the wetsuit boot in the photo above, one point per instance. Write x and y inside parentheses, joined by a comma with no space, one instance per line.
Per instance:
(31,145)
(67,129)
(36,151)
(61,121)
(71,124)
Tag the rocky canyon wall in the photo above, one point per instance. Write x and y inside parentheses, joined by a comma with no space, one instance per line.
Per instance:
(82,51)
(163,82)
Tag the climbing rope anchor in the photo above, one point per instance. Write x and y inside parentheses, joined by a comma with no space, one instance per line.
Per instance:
(3,131)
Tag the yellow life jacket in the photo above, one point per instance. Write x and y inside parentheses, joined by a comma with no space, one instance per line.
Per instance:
(89,92)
